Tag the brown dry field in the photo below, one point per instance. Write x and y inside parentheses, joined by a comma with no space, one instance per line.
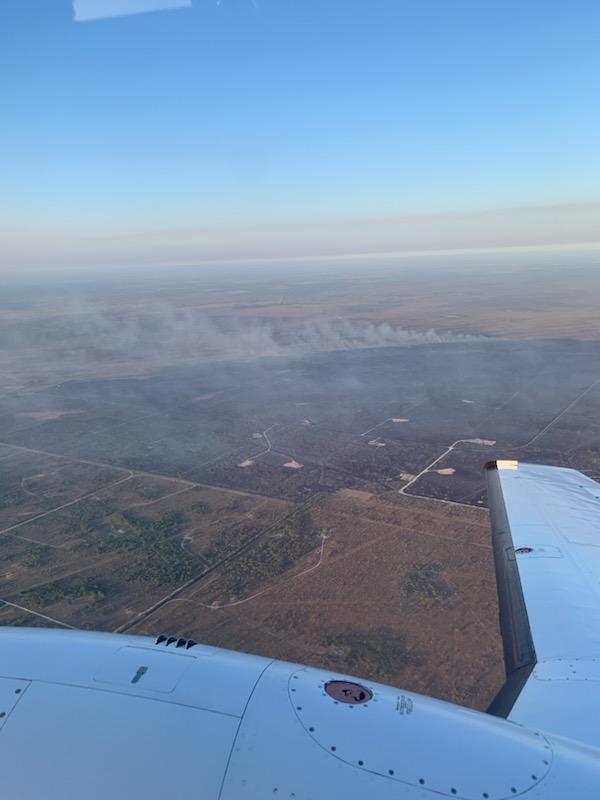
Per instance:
(351,609)
(510,303)
(343,606)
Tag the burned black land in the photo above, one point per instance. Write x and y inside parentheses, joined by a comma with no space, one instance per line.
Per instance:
(369,419)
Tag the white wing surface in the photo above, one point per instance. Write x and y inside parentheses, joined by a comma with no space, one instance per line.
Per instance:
(119,717)
(546,532)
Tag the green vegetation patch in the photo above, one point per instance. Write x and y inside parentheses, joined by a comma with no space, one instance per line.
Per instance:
(230,540)
(159,559)
(87,515)
(373,652)
(290,540)
(201,507)
(424,582)
(37,556)
(13,497)
(73,588)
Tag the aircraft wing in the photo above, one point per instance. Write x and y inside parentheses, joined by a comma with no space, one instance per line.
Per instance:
(118,717)
(546,534)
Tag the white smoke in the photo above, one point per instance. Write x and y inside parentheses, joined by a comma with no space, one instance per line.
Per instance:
(162,332)
(87,338)
(347,334)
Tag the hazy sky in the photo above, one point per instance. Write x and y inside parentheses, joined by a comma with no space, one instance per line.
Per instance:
(297,127)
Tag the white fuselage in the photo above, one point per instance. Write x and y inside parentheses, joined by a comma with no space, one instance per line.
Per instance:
(90,715)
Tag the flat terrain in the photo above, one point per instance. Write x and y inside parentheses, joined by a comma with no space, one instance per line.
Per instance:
(248,469)
(388,594)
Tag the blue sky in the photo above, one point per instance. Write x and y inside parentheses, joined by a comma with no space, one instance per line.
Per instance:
(224,118)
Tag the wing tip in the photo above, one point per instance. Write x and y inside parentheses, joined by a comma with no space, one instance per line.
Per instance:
(501,463)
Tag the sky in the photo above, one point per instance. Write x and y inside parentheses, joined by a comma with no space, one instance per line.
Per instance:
(286,128)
